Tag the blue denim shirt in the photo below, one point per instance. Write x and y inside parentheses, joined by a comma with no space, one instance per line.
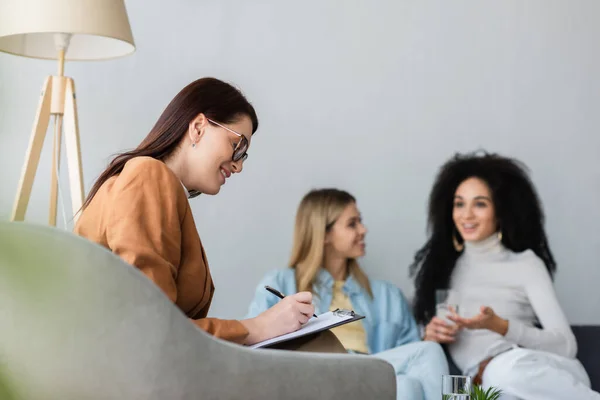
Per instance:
(388,318)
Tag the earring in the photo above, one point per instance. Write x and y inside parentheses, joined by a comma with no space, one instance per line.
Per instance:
(457,246)
(500,235)
(193,145)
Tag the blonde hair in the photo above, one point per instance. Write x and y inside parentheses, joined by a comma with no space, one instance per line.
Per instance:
(317,212)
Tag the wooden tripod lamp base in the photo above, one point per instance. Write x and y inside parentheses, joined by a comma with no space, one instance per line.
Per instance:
(75,30)
(57,99)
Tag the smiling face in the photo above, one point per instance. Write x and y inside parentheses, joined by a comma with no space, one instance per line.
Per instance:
(474,213)
(347,235)
(209,161)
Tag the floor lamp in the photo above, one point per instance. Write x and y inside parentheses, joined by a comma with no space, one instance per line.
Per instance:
(63,30)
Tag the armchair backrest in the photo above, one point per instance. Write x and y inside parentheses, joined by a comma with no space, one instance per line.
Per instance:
(78,322)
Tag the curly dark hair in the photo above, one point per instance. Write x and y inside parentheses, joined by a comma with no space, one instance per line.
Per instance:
(519,216)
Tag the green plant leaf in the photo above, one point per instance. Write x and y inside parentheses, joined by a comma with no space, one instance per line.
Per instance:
(6,391)
(478,393)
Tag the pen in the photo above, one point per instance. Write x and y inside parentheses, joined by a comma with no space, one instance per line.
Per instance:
(279,294)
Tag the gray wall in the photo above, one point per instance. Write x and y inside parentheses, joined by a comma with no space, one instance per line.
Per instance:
(371,97)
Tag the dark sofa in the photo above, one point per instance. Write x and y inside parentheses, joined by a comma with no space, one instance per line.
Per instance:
(588,352)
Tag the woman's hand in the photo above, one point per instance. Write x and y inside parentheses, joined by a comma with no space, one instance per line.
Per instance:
(486,319)
(439,331)
(288,315)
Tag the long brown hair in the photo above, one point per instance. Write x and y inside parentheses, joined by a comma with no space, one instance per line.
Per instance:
(317,212)
(216,99)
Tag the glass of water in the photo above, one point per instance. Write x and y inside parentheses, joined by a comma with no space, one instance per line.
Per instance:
(456,387)
(446,302)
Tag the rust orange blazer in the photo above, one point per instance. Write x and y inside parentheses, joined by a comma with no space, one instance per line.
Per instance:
(143,215)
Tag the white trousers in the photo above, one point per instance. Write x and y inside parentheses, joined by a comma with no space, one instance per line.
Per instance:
(419,369)
(525,374)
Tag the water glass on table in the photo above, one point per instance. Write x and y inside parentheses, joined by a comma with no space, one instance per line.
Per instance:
(456,387)
(446,303)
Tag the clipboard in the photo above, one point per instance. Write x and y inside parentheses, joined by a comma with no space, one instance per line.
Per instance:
(325,321)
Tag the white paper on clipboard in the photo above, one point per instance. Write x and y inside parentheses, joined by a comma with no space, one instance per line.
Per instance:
(324,321)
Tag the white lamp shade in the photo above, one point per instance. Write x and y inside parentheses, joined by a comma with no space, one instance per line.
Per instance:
(100,28)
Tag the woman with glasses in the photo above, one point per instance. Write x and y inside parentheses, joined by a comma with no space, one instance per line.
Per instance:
(329,237)
(139,206)
(488,245)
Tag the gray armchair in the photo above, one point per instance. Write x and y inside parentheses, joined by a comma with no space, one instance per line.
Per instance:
(76,322)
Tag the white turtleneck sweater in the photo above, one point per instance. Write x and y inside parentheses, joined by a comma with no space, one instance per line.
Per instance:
(517,286)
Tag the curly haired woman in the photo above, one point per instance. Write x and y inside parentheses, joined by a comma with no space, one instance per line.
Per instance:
(487,244)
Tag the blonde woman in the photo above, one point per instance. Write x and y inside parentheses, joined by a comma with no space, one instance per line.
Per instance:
(329,237)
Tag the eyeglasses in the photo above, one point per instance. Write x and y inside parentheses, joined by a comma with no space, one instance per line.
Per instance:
(239,149)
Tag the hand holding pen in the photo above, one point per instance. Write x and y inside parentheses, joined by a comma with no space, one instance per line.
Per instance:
(279,294)
(287,315)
